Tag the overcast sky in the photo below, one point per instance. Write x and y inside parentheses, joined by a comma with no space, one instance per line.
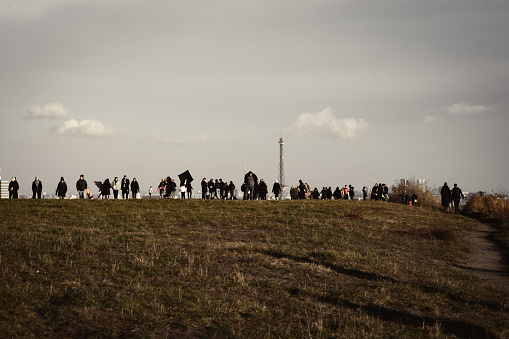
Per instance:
(362,91)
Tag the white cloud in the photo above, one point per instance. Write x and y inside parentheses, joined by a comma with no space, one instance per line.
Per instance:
(465,108)
(49,111)
(84,128)
(324,125)
(429,119)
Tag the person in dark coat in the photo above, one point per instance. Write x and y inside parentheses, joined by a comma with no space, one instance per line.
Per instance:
(457,195)
(189,190)
(204,187)
(364,193)
(211,188)
(337,193)
(351,192)
(276,188)
(302,190)
(294,193)
(263,190)
(106,189)
(135,188)
(61,188)
(445,192)
(36,188)
(414,199)
(124,187)
(374,192)
(81,186)
(13,188)
(231,187)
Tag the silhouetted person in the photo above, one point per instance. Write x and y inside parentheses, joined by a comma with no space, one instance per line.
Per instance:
(135,188)
(124,186)
(81,186)
(276,188)
(13,188)
(445,192)
(36,188)
(457,195)
(61,188)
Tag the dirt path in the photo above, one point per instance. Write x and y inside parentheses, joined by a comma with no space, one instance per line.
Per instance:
(485,260)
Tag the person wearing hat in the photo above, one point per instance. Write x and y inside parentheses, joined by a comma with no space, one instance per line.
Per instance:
(61,188)
(13,188)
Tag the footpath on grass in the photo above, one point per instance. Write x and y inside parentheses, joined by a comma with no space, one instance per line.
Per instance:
(486,260)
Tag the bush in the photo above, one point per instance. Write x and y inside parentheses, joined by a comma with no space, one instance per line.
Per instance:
(424,196)
(494,206)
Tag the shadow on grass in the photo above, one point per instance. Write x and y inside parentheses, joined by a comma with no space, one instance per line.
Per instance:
(336,268)
(459,328)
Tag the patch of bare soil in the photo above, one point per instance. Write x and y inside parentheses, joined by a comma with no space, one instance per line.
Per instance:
(486,260)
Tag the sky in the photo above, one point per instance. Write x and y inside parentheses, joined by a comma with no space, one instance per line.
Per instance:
(362,91)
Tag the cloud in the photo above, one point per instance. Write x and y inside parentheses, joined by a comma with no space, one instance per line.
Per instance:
(83,128)
(49,111)
(462,108)
(429,119)
(324,125)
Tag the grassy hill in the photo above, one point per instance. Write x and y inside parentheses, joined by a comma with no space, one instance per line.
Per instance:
(172,268)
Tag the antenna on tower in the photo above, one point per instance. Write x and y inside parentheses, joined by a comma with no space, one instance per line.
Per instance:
(281,171)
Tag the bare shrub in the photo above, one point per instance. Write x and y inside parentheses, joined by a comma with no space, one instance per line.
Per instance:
(424,196)
(493,205)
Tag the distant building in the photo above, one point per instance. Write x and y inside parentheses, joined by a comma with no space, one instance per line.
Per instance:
(4,188)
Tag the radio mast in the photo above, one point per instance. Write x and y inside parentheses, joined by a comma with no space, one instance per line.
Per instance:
(281,172)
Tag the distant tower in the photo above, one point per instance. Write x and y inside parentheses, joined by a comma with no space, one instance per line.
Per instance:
(281,172)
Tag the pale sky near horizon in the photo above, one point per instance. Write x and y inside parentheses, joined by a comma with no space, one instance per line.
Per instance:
(362,91)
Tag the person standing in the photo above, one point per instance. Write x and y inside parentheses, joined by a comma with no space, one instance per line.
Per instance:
(263,189)
(231,187)
(135,188)
(204,188)
(276,188)
(161,189)
(457,195)
(445,192)
(173,186)
(36,188)
(189,190)
(250,185)
(61,188)
(351,192)
(182,191)
(212,188)
(124,186)
(81,186)
(150,189)
(13,188)
(116,187)
(364,193)
(106,189)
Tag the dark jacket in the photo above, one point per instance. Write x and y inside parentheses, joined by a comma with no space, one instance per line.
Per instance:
(61,188)
(276,188)
(106,187)
(457,194)
(135,187)
(37,188)
(13,186)
(124,185)
(81,185)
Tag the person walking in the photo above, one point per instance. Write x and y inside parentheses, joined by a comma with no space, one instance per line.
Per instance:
(81,186)
(61,188)
(135,188)
(457,195)
(124,186)
(276,189)
(36,188)
(116,187)
(13,188)
(445,192)
(106,189)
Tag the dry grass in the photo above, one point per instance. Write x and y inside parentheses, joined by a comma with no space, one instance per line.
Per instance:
(238,269)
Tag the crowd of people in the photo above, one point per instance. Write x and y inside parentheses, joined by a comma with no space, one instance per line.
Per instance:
(251,188)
